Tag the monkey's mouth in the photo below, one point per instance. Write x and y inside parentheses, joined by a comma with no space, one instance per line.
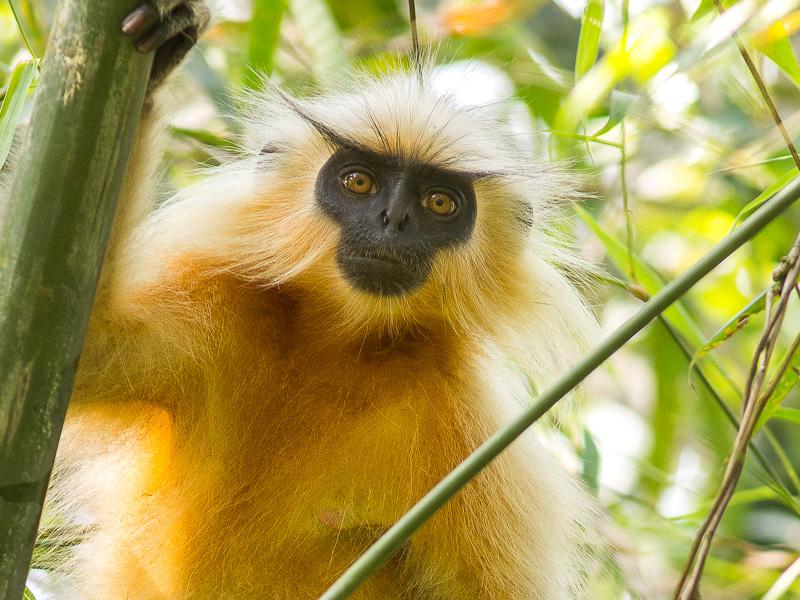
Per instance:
(382,271)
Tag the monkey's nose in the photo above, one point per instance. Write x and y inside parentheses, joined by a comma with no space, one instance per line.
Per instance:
(394,220)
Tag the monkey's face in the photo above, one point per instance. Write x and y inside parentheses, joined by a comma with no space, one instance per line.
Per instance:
(394,215)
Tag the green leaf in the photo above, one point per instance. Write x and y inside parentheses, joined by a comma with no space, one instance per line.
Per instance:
(28,595)
(27,23)
(737,322)
(207,138)
(705,7)
(590,463)
(591,24)
(21,79)
(620,103)
(792,415)
(265,30)
(754,205)
(774,43)
(322,38)
(784,386)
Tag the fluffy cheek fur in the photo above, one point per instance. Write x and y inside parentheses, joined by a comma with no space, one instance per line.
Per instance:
(283,236)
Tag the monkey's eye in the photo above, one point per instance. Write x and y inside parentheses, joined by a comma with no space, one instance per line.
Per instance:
(439,203)
(358,182)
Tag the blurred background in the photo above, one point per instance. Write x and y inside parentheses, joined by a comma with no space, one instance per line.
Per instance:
(655,107)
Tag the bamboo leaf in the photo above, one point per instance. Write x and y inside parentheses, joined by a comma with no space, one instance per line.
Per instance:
(774,43)
(265,30)
(754,204)
(784,583)
(640,55)
(591,25)
(781,53)
(590,463)
(792,415)
(785,385)
(704,8)
(620,103)
(736,323)
(28,595)
(13,103)
(25,16)
(207,138)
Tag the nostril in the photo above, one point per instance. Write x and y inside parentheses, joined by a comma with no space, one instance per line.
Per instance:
(402,223)
(384,218)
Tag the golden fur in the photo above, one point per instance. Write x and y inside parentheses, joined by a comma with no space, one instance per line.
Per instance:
(244,423)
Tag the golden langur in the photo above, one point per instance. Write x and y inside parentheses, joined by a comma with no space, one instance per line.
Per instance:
(283,358)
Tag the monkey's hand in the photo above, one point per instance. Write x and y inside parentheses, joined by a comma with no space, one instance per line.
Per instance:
(171,28)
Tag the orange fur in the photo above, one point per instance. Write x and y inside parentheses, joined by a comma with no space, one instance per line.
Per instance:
(244,423)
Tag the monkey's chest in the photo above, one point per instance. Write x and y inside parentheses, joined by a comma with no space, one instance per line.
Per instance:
(311,479)
(339,446)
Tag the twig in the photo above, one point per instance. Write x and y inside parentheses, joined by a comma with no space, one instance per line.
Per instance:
(754,402)
(762,88)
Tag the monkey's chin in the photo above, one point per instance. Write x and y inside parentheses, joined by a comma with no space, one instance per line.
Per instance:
(385,276)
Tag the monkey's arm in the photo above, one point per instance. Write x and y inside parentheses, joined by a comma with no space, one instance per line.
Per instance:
(169,28)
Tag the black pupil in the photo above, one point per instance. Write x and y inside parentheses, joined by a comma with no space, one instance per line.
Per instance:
(359,182)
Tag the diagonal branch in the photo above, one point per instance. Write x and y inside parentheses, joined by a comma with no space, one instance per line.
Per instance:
(763,89)
(754,402)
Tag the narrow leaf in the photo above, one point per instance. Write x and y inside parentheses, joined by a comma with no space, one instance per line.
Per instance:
(754,204)
(737,322)
(620,103)
(264,32)
(591,24)
(21,79)
(792,415)
(25,16)
(641,54)
(704,8)
(590,463)
(785,385)
(207,138)
(783,583)
(774,43)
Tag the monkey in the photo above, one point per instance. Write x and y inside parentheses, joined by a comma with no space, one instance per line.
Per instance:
(284,357)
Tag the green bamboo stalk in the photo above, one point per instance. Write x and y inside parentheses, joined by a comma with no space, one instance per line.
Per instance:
(54,236)
(383,549)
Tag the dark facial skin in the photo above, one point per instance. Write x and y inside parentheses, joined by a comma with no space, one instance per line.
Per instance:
(394,217)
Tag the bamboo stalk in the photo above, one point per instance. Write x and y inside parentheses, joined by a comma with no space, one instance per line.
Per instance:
(390,542)
(63,197)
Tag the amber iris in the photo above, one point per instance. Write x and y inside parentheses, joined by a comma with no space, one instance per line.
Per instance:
(440,203)
(358,182)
